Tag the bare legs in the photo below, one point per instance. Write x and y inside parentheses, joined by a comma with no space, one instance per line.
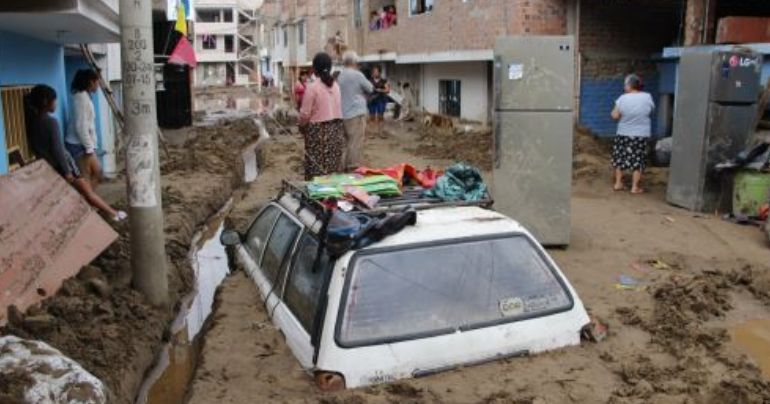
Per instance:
(636,178)
(85,189)
(618,180)
(91,169)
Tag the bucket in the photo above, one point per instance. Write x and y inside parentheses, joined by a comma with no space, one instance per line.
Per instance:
(750,191)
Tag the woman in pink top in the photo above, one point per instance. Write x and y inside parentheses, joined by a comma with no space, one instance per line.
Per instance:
(299,88)
(321,118)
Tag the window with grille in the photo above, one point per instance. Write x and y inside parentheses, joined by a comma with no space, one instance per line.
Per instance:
(16,142)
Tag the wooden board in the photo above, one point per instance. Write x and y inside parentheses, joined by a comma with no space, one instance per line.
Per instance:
(47,234)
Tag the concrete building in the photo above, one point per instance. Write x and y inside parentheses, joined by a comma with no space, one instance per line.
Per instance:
(36,47)
(294,31)
(442,49)
(224,32)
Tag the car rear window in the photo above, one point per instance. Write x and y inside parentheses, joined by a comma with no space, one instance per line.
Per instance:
(394,295)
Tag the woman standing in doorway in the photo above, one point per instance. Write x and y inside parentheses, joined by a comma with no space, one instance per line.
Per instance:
(46,143)
(81,133)
(633,112)
(321,118)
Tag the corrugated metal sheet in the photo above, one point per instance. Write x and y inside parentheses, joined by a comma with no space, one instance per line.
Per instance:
(47,233)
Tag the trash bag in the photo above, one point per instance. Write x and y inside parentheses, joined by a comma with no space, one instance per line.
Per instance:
(663,151)
(347,230)
(387,226)
(344,229)
(460,182)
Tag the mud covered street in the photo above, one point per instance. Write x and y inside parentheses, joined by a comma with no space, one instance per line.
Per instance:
(97,319)
(674,337)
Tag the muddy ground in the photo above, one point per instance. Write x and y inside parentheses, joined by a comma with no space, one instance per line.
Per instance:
(669,339)
(96,318)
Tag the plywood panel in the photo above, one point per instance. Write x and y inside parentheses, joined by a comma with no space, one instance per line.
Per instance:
(47,233)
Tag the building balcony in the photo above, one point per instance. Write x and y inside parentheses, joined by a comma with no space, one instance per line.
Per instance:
(216,28)
(204,56)
(63,21)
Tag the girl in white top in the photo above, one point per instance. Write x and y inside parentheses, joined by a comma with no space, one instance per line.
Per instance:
(81,132)
(633,111)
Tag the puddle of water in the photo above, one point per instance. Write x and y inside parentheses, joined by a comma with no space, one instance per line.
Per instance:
(167,382)
(753,338)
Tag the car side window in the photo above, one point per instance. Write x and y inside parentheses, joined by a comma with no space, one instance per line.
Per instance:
(256,239)
(305,283)
(279,245)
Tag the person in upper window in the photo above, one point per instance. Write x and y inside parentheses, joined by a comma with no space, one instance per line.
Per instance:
(374,21)
(633,111)
(321,121)
(389,17)
(81,133)
(45,141)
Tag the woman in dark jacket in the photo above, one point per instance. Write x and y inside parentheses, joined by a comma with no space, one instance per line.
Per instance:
(46,142)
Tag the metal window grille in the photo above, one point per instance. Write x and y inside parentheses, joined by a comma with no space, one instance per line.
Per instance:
(13,118)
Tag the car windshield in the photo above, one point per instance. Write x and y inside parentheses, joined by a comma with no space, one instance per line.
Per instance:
(426,290)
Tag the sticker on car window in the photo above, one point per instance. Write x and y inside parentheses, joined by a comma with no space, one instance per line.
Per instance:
(537,303)
(511,306)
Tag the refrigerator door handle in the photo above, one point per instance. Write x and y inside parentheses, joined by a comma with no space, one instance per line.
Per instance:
(497,74)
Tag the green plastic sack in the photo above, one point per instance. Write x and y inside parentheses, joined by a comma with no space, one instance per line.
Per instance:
(460,182)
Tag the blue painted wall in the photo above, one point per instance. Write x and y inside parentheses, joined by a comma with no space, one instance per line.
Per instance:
(597,98)
(27,61)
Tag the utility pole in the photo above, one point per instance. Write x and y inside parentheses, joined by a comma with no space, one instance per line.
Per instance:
(148,252)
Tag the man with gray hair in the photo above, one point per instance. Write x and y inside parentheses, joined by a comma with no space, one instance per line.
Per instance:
(354,88)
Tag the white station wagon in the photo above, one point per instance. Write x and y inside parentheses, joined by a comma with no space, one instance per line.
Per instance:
(463,286)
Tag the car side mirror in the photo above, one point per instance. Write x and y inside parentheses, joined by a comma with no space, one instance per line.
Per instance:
(230,238)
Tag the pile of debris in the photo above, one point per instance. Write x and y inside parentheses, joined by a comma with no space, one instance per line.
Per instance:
(96,318)
(591,155)
(442,137)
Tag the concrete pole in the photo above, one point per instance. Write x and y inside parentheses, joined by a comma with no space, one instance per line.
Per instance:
(148,253)
(700,22)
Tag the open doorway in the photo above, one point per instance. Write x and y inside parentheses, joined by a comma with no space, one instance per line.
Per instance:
(229,74)
(449,100)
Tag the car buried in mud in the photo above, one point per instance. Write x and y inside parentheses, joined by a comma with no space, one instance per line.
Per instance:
(463,286)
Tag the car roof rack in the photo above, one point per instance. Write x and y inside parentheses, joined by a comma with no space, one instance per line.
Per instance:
(411,197)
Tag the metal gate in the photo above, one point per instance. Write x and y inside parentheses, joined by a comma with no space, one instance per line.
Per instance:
(15,127)
(449,97)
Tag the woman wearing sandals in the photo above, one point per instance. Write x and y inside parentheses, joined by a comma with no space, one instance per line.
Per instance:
(633,111)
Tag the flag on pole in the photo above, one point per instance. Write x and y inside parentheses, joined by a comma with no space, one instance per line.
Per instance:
(181,20)
(183,54)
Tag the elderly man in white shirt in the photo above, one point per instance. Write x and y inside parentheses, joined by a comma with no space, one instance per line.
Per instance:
(81,132)
(354,88)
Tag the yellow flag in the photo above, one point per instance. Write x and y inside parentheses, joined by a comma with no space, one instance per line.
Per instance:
(181,20)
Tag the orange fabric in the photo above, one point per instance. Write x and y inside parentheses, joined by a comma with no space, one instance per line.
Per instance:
(426,179)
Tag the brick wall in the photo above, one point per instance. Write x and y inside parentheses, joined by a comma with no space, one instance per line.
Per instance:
(457,25)
(617,38)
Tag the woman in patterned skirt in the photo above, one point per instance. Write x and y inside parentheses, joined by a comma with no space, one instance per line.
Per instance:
(321,121)
(629,153)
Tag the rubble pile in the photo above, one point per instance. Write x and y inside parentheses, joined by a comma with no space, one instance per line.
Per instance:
(97,319)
